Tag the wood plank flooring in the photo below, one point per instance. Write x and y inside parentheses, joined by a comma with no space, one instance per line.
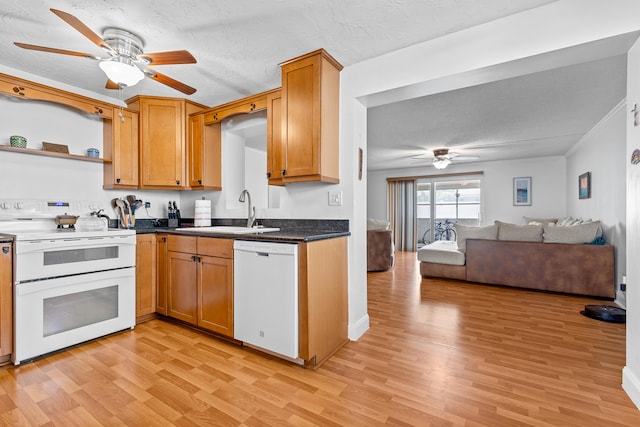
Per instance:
(440,353)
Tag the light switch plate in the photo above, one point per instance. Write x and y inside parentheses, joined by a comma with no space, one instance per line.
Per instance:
(335,198)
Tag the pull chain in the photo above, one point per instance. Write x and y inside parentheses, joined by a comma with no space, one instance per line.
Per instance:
(121,101)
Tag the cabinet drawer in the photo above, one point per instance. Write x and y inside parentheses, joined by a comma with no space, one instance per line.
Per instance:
(186,244)
(212,246)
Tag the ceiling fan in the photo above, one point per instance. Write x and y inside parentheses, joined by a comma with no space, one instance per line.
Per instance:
(442,157)
(127,62)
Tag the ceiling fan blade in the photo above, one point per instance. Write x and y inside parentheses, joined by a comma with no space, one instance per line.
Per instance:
(168,58)
(83,29)
(111,84)
(463,158)
(54,50)
(166,80)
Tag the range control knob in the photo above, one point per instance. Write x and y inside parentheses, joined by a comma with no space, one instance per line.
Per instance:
(5,205)
(19,205)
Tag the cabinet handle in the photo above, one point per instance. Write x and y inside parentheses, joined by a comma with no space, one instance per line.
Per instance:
(177,181)
(117,180)
(252,107)
(199,182)
(284,172)
(268,174)
(164,239)
(98,110)
(195,258)
(5,249)
(19,90)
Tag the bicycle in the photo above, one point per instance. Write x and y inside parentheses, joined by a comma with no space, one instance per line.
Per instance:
(445,230)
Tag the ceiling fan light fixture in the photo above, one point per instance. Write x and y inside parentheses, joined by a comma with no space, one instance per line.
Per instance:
(441,163)
(122,71)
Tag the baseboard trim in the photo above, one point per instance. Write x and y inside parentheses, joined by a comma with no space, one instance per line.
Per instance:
(631,385)
(358,329)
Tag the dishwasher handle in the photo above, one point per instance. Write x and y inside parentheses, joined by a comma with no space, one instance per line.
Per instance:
(262,253)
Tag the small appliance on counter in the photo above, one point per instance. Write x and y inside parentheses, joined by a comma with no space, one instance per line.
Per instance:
(173,214)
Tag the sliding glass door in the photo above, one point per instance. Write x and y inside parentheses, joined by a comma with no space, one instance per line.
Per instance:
(444,202)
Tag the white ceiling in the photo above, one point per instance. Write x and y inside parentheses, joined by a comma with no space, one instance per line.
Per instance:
(239,44)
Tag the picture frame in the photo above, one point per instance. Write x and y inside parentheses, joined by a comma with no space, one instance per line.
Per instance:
(522,191)
(584,186)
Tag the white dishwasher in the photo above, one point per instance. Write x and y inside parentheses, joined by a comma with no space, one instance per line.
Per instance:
(265,282)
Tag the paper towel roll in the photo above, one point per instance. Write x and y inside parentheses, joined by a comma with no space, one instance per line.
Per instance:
(202,217)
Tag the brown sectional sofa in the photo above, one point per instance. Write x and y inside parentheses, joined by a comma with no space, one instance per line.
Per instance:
(559,267)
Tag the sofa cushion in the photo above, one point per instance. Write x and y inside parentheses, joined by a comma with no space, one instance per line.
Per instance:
(581,233)
(441,252)
(377,224)
(463,232)
(519,233)
(541,221)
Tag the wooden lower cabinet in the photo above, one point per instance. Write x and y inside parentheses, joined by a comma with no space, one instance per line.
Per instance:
(6,301)
(215,295)
(199,284)
(145,276)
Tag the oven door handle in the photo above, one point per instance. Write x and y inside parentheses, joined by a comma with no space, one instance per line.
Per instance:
(27,246)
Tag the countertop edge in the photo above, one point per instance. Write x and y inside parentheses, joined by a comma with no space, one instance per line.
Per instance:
(274,236)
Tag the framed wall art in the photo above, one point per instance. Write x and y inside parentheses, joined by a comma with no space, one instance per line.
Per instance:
(584,185)
(522,191)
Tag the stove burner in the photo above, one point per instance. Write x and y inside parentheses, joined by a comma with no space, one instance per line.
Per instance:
(68,227)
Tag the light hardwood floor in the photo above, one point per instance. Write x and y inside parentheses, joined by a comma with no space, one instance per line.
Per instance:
(437,353)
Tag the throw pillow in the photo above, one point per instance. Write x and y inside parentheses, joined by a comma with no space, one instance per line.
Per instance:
(582,233)
(377,224)
(519,233)
(536,221)
(463,232)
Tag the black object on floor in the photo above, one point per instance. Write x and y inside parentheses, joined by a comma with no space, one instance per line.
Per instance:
(607,313)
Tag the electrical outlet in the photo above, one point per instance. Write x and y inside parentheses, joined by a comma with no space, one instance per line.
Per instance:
(335,198)
(147,205)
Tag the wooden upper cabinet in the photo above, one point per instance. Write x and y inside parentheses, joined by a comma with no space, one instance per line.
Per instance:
(163,140)
(310,116)
(121,148)
(275,154)
(205,154)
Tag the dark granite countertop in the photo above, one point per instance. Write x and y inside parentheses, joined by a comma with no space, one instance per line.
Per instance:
(6,238)
(290,230)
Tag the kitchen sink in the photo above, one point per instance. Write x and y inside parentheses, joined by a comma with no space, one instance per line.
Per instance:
(229,229)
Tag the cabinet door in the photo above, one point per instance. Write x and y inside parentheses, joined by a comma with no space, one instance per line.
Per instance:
(205,154)
(275,153)
(6,301)
(301,131)
(162,143)
(215,295)
(161,275)
(182,286)
(145,275)
(125,149)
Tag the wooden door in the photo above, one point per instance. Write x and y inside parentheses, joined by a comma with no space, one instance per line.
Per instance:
(6,300)
(182,286)
(161,275)
(162,142)
(145,276)
(125,149)
(275,152)
(215,295)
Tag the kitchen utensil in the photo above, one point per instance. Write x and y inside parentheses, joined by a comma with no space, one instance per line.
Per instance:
(18,141)
(123,215)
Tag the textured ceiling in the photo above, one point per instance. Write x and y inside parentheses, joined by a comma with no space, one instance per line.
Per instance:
(238,44)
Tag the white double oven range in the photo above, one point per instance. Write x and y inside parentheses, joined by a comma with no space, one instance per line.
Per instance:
(72,283)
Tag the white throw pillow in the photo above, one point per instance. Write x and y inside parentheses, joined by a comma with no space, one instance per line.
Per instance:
(377,224)
(536,221)
(463,232)
(581,233)
(519,233)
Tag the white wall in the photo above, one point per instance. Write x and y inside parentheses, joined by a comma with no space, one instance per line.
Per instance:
(631,372)
(547,188)
(602,152)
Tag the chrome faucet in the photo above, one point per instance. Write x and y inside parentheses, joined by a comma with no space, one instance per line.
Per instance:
(251,211)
